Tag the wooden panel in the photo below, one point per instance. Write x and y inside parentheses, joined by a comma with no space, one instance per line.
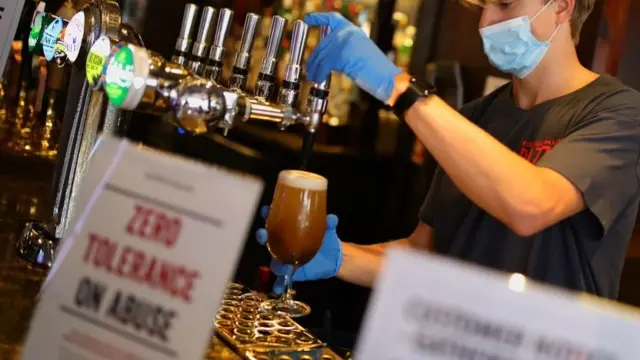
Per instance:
(630,53)
(459,40)
(612,36)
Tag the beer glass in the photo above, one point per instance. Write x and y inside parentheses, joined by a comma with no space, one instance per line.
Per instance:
(296,225)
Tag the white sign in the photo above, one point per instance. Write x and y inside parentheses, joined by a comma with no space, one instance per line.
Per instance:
(10,11)
(142,274)
(73,36)
(428,307)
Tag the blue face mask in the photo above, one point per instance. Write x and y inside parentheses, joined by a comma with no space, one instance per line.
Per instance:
(511,46)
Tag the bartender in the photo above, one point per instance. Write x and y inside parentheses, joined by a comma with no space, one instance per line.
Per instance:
(539,177)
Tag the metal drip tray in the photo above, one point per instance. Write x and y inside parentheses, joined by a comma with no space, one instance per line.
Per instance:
(257,335)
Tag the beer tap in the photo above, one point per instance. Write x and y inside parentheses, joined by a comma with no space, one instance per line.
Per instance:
(316,107)
(203,40)
(183,44)
(242,63)
(290,88)
(197,105)
(266,83)
(213,70)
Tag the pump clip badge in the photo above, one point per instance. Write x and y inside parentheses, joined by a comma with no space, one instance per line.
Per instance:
(50,38)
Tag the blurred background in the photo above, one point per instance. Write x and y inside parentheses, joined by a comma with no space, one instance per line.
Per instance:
(378,173)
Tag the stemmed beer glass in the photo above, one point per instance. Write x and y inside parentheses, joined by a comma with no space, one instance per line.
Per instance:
(296,225)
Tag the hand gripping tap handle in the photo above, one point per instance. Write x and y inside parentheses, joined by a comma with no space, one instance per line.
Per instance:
(265,85)
(242,61)
(291,85)
(213,69)
(203,40)
(183,44)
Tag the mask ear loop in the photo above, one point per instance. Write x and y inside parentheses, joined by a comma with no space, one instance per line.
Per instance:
(554,33)
(540,12)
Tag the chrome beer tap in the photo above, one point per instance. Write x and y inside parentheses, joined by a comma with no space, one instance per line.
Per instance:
(213,70)
(201,106)
(266,84)
(290,88)
(242,62)
(166,89)
(318,97)
(183,44)
(195,104)
(203,40)
(316,107)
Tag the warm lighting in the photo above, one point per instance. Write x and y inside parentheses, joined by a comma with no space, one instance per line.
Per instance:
(334,121)
(517,282)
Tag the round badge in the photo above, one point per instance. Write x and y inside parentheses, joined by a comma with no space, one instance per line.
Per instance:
(119,76)
(36,29)
(96,59)
(50,38)
(73,36)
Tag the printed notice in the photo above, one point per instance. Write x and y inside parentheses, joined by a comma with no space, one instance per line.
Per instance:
(140,276)
(428,307)
(10,11)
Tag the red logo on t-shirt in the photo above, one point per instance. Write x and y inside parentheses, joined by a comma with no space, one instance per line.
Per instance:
(534,149)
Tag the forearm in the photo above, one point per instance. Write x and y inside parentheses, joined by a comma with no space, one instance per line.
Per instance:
(361,264)
(490,174)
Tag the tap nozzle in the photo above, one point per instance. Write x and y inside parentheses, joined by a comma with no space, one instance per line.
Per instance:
(183,44)
(238,79)
(213,69)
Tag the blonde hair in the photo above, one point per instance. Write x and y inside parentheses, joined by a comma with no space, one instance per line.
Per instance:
(580,13)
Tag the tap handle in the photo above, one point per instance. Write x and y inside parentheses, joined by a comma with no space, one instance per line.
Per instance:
(326,84)
(222,30)
(205,32)
(266,83)
(183,43)
(243,57)
(278,24)
(298,42)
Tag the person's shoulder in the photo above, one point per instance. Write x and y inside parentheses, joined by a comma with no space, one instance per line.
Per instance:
(608,94)
(607,102)
(479,106)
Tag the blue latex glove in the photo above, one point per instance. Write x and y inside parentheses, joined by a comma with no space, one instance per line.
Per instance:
(324,265)
(347,49)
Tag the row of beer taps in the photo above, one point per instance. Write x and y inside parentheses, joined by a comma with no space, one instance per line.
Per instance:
(190,92)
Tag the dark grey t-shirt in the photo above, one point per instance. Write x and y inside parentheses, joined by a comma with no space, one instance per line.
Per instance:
(591,137)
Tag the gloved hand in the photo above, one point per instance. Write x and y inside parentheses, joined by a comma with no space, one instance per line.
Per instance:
(324,265)
(347,49)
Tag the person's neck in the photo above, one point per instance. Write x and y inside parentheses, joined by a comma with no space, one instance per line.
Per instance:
(559,74)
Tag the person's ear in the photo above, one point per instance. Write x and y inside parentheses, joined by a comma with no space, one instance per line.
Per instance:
(564,10)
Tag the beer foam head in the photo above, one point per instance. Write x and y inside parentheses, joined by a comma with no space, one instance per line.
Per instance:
(302,180)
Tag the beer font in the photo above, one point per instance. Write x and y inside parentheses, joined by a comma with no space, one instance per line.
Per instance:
(200,104)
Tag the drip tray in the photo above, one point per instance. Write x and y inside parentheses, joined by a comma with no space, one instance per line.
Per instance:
(257,335)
